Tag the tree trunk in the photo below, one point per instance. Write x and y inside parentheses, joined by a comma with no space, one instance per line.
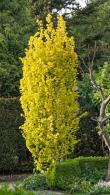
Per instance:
(108,170)
(104,134)
(102,116)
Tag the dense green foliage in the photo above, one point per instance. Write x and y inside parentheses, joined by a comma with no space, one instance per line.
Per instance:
(35,182)
(63,175)
(89,141)
(98,189)
(90,26)
(95,16)
(16,25)
(14,157)
(48,94)
(72,175)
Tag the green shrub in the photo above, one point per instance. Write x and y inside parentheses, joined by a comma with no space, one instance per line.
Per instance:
(93,168)
(63,174)
(14,156)
(5,190)
(102,187)
(35,182)
(78,185)
(100,190)
(79,170)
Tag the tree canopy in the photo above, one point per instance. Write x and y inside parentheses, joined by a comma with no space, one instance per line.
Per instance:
(16,25)
(49,95)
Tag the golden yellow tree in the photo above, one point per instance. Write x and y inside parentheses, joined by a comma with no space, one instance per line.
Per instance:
(48,94)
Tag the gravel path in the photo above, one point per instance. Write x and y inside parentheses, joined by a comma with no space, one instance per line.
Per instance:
(48,192)
(41,192)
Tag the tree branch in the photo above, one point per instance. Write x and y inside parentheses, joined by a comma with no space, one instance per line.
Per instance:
(94,84)
(105,119)
(103,107)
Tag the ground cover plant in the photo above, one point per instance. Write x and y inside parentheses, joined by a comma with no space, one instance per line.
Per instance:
(14,190)
(35,182)
(79,175)
(102,187)
(88,168)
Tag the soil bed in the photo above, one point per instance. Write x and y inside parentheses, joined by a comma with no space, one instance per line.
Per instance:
(13,178)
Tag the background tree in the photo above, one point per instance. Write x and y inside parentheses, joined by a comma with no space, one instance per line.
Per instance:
(90,26)
(101,85)
(16,25)
(41,8)
(48,94)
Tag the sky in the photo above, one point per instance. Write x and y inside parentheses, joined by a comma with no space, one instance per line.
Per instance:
(82,2)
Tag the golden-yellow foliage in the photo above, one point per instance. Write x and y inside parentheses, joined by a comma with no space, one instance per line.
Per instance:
(48,94)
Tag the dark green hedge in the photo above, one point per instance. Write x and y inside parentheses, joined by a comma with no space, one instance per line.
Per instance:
(91,169)
(14,157)
(61,174)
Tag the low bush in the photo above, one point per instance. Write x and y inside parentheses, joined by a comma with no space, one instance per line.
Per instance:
(82,172)
(101,188)
(35,182)
(62,174)
(93,168)
(81,186)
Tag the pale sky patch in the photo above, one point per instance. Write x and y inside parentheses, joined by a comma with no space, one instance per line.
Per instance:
(82,2)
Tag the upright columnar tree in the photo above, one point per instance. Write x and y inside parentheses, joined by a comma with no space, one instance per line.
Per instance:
(48,94)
